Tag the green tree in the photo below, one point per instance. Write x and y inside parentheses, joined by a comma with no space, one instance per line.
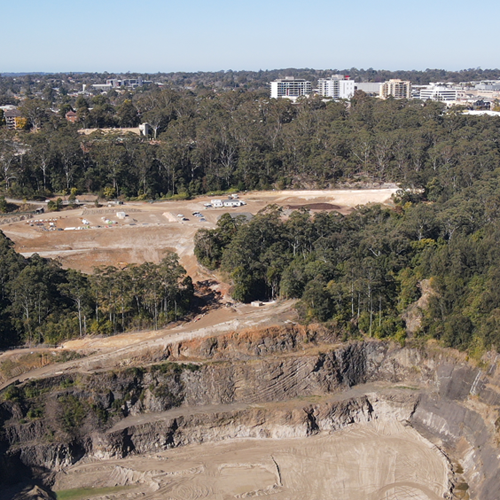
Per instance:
(36,111)
(77,289)
(127,114)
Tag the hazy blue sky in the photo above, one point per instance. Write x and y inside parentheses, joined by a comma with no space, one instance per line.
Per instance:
(163,35)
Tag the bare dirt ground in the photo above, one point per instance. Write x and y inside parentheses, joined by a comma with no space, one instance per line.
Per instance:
(215,322)
(374,461)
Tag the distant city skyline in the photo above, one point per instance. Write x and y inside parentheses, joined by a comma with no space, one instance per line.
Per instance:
(166,36)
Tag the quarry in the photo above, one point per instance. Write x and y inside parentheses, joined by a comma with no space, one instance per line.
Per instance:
(241,401)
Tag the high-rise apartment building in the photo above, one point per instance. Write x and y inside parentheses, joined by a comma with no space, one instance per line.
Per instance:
(399,89)
(337,86)
(290,87)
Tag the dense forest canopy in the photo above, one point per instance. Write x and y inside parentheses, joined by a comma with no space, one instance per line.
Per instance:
(362,271)
(245,140)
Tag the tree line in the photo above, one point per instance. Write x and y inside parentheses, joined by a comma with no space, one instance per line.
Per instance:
(244,140)
(42,303)
(59,85)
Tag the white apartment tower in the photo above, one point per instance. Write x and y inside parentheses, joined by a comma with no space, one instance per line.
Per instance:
(290,88)
(337,86)
(399,89)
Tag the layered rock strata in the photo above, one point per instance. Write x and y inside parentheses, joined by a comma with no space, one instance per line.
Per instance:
(279,383)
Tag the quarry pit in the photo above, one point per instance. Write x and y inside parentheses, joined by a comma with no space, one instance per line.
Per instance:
(258,406)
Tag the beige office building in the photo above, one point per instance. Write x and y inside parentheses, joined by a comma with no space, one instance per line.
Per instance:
(396,88)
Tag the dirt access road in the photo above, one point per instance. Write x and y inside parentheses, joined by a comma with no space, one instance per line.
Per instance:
(122,350)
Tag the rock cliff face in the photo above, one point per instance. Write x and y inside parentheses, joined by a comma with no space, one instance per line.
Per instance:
(279,383)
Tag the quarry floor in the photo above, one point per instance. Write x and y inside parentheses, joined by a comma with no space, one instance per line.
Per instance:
(374,461)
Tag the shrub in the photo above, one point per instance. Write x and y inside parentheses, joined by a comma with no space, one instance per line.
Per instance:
(73,412)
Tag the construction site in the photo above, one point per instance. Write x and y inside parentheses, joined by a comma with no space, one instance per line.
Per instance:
(137,232)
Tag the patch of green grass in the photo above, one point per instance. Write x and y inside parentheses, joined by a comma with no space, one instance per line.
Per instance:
(84,493)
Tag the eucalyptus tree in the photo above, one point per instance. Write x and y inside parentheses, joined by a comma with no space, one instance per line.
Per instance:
(36,111)
(77,288)
(8,157)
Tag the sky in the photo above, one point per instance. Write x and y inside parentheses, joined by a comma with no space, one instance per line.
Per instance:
(166,35)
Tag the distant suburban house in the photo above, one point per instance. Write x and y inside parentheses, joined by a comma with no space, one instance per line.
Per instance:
(71,116)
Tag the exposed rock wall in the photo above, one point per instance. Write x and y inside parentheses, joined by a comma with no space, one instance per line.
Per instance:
(462,417)
(217,426)
(262,387)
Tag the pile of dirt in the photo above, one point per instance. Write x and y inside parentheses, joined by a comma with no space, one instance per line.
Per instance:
(315,206)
